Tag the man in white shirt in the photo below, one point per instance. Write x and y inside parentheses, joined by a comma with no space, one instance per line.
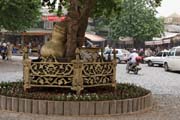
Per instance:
(107,49)
(132,58)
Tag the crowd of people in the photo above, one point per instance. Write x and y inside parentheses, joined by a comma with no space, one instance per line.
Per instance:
(147,52)
(6,51)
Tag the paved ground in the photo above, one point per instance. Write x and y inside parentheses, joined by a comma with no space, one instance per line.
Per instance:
(165,87)
(153,78)
(11,70)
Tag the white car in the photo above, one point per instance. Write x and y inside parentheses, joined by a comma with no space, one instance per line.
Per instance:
(121,55)
(157,59)
(172,62)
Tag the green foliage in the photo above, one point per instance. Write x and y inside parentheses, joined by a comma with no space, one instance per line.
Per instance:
(102,7)
(105,8)
(136,19)
(18,15)
(133,13)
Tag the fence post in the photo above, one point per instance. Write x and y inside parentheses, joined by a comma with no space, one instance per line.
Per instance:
(26,67)
(114,68)
(77,83)
(25,53)
(102,56)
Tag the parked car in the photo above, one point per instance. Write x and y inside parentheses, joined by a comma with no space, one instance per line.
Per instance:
(172,62)
(121,55)
(157,59)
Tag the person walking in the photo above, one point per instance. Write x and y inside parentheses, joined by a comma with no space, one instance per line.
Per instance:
(9,51)
(107,49)
(4,51)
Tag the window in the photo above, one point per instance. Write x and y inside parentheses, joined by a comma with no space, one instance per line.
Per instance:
(172,52)
(178,52)
(107,52)
(165,54)
(159,54)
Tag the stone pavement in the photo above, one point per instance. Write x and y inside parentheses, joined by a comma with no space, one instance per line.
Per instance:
(165,87)
(11,70)
(155,79)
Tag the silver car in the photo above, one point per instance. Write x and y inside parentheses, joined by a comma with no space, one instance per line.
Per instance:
(157,59)
(121,55)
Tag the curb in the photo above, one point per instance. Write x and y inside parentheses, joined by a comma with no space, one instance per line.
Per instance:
(76,108)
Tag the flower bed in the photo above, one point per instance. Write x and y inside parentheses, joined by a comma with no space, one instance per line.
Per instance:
(125,99)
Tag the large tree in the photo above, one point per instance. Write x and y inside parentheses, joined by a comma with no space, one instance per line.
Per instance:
(78,13)
(19,15)
(137,19)
(77,18)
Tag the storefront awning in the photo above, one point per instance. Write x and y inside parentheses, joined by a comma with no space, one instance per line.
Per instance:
(36,32)
(158,42)
(94,38)
(149,42)
(32,32)
(166,41)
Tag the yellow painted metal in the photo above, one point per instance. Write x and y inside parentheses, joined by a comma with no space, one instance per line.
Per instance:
(87,70)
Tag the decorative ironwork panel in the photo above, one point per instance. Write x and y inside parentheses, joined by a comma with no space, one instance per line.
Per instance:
(51,73)
(97,73)
(84,71)
(60,81)
(51,68)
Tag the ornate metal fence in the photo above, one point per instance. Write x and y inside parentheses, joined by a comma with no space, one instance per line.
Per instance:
(76,75)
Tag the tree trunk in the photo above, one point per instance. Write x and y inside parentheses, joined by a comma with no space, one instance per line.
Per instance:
(77,23)
(72,28)
(88,6)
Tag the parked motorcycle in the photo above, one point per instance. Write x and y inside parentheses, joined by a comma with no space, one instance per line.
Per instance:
(134,67)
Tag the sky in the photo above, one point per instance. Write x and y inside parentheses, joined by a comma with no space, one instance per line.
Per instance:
(168,7)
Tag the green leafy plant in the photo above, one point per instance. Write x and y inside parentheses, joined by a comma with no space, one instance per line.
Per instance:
(19,15)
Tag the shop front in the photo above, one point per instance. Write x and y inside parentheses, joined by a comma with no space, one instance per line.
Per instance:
(33,39)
